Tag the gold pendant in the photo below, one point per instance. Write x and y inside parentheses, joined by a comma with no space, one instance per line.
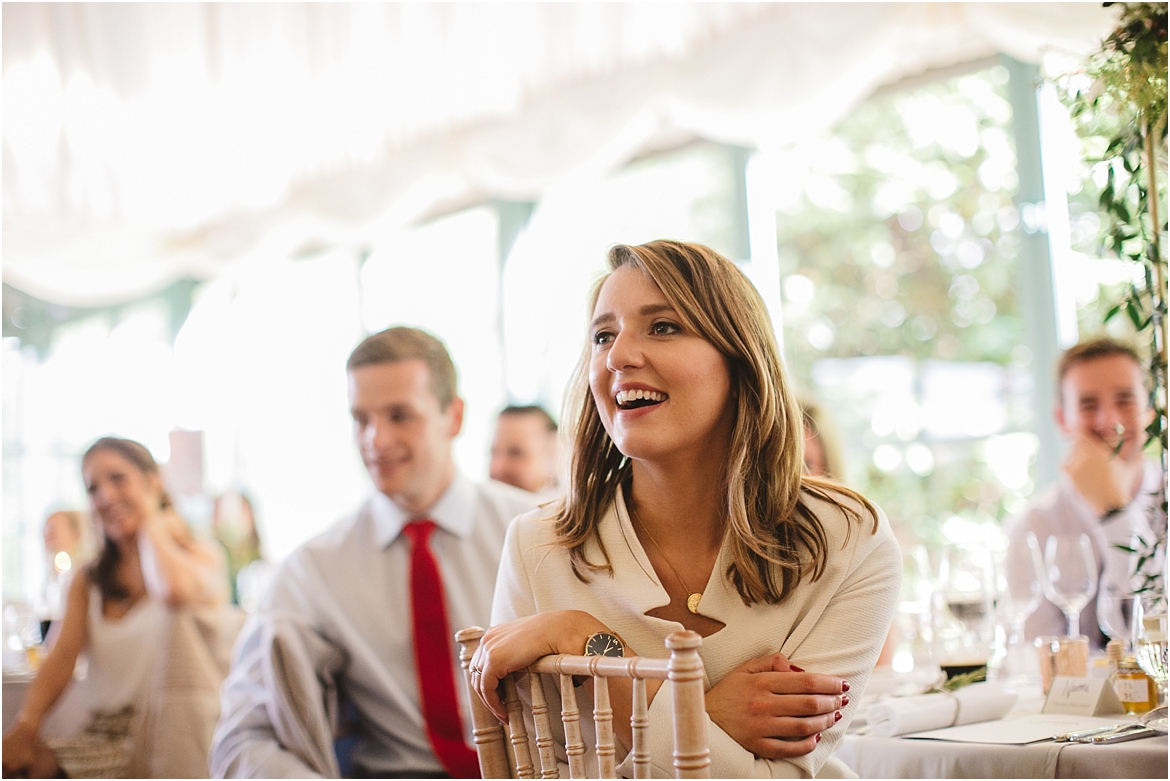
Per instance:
(693,602)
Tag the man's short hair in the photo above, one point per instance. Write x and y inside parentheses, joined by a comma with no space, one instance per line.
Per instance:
(1091,350)
(404,344)
(532,409)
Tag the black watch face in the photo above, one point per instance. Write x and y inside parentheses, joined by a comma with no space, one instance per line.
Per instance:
(604,644)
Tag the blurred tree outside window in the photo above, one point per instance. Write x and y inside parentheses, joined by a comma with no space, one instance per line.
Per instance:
(898,241)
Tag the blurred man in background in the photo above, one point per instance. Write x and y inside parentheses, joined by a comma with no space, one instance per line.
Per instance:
(1107,490)
(524,449)
(358,623)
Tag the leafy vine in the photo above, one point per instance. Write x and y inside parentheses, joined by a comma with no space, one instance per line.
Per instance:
(1122,115)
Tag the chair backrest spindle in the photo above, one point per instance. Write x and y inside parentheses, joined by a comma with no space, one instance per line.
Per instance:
(513,758)
(571,720)
(692,755)
(518,730)
(640,721)
(603,718)
(542,725)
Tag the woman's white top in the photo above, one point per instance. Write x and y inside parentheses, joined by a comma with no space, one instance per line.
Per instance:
(122,652)
(834,626)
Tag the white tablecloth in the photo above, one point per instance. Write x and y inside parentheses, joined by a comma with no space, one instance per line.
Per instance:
(909,758)
(900,757)
(66,717)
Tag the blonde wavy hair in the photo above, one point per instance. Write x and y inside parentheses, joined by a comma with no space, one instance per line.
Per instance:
(775,537)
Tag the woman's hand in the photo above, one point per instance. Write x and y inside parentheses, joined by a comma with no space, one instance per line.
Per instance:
(188,572)
(18,751)
(775,710)
(513,646)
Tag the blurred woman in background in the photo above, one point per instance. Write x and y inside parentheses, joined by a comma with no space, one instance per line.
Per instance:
(68,545)
(822,447)
(116,611)
(233,524)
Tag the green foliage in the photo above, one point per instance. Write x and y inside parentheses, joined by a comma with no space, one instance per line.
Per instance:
(924,248)
(962,679)
(1119,106)
(903,242)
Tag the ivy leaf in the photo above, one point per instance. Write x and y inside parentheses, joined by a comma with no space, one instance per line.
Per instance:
(1135,314)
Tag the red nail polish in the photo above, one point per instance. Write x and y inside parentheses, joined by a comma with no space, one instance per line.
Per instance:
(837,716)
(844,686)
(818,737)
(844,700)
(795,669)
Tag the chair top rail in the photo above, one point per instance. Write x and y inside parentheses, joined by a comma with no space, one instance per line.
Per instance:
(604,666)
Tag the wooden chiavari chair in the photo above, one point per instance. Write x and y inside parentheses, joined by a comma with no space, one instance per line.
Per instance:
(510,755)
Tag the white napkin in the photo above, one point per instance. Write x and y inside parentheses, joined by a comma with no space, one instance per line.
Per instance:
(903,715)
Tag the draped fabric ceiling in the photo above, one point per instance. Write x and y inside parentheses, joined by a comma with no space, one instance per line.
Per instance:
(149,142)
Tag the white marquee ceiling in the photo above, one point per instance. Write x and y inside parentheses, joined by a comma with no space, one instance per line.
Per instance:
(145,142)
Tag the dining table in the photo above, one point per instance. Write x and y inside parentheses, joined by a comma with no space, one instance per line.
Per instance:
(871,756)
(67,716)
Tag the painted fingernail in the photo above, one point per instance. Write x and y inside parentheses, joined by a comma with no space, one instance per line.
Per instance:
(844,700)
(837,716)
(818,737)
(844,686)
(795,669)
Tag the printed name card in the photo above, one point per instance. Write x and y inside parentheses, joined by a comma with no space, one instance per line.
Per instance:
(1082,697)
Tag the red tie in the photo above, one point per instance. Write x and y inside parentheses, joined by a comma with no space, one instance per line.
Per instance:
(433,655)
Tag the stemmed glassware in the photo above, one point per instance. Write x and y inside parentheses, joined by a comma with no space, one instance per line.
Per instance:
(1070,576)
(914,618)
(1115,612)
(967,582)
(1018,594)
(1149,640)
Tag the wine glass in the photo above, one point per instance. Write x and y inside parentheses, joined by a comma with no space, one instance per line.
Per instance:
(1018,594)
(1115,612)
(968,585)
(1070,576)
(914,619)
(1149,639)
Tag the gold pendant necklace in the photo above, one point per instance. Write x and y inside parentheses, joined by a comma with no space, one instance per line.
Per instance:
(693,597)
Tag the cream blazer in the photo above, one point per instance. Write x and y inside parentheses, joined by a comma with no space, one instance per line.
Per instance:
(834,626)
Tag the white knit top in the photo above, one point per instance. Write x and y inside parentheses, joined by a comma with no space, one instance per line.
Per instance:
(121,652)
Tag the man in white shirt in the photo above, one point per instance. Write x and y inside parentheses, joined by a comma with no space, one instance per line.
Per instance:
(1107,489)
(524,449)
(335,637)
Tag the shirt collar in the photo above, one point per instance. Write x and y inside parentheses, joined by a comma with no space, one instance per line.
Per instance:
(453,512)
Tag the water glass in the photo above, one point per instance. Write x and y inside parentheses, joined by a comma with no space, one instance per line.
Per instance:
(1115,613)
(1070,576)
(1149,640)
(967,583)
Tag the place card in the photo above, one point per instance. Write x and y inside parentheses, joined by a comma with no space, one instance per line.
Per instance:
(1082,697)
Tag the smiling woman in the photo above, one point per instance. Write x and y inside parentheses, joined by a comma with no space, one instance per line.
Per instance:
(686,508)
(117,613)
